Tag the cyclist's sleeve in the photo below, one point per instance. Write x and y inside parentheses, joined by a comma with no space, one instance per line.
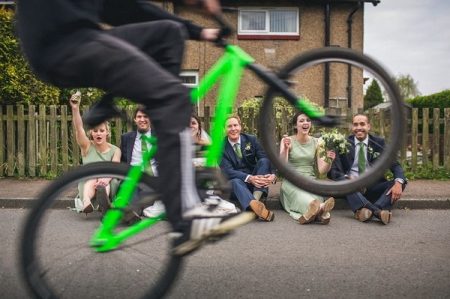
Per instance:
(120,12)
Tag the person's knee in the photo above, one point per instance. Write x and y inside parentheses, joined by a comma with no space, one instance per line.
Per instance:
(236,183)
(263,166)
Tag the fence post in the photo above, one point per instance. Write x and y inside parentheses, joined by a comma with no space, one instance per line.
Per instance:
(425,135)
(20,141)
(118,127)
(42,150)
(2,145)
(10,140)
(414,128)
(31,137)
(64,139)
(447,138)
(53,141)
(436,135)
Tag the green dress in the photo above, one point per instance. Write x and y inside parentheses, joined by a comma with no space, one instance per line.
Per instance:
(94,156)
(303,158)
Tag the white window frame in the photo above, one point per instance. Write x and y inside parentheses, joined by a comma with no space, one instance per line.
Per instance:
(190,74)
(266,31)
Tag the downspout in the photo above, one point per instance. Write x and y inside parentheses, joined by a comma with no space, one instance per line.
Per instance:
(349,45)
(327,65)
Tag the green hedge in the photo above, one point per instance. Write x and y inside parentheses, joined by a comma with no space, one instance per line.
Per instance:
(18,84)
(436,100)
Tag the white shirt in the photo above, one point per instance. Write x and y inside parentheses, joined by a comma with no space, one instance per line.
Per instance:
(136,155)
(354,170)
(232,146)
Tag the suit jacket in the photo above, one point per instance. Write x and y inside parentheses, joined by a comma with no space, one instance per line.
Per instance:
(126,146)
(232,166)
(343,163)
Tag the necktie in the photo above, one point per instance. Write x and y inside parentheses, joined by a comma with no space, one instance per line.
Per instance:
(144,148)
(237,150)
(361,158)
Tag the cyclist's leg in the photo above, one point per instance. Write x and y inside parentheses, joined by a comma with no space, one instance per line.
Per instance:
(162,40)
(120,68)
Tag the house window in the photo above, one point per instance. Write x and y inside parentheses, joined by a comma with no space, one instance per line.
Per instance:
(272,23)
(189,78)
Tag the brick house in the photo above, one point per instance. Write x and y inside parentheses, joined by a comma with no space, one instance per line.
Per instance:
(273,32)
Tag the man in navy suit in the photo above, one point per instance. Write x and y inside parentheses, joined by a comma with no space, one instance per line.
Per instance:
(376,200)
(131,147)
(246,165)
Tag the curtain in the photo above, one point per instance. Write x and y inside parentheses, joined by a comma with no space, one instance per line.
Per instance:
(283,21)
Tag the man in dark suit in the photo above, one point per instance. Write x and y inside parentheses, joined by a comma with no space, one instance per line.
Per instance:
(376,200)
(132,145)
(246,165)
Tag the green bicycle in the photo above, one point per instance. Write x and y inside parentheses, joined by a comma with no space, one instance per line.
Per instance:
(146,262)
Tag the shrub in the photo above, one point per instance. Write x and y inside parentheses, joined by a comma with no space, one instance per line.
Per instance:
(18,84)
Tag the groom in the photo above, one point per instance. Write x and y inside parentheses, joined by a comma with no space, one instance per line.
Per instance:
(376,200)
(246,165)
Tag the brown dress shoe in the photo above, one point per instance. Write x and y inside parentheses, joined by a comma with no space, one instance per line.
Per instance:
(261,211)
(324,215)
(311,214)
(363,214)
(385,216)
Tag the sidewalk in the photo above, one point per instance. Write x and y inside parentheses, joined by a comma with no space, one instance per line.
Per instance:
(419,194)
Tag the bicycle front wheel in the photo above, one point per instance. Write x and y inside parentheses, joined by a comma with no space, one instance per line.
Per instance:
(58,262)
(335,65)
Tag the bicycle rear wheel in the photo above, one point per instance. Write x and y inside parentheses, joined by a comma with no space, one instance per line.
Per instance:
(359,69)
(58,262)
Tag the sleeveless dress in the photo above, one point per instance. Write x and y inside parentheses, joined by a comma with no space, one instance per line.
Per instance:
(303,158)
(94,156)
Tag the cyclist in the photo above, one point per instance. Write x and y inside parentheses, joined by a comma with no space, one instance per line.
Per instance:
(130,49)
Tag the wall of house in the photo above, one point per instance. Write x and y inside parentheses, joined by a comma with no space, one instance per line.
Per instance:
(276,53)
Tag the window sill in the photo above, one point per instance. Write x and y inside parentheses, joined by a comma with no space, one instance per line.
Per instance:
(267,36)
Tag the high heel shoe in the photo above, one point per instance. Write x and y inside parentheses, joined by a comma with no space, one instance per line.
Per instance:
(88,209)
(325,215)
(311,213)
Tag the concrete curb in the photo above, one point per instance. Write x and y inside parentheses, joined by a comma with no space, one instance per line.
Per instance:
(404,203)
(272,203)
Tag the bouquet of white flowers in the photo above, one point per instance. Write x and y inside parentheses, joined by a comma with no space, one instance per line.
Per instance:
(332,140)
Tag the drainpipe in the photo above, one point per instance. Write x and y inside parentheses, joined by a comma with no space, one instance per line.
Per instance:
(349,45)
(327,65)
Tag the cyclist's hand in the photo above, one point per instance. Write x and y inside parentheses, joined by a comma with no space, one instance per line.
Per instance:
(209,34)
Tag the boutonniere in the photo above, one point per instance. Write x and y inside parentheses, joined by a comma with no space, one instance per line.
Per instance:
(248,146)
(372,152)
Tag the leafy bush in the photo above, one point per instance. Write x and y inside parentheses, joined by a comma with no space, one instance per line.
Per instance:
(18,84)
(436,100)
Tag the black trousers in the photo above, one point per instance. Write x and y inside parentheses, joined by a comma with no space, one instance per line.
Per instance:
(140,62)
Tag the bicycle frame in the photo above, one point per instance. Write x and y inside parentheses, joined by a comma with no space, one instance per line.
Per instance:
(104,239)
(229,69)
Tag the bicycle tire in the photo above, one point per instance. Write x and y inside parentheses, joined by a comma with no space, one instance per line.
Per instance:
(324,187)
(32,267)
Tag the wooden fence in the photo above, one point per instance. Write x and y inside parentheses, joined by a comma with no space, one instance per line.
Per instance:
(39,140)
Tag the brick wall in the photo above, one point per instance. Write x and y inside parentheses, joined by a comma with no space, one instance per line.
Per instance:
(275,53)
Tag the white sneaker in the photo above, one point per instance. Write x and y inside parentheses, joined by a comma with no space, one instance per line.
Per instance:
(205,223)
(154,210)
(211,207)
(222,205)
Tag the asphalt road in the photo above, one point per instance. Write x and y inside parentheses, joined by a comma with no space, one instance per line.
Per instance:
(408,258)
